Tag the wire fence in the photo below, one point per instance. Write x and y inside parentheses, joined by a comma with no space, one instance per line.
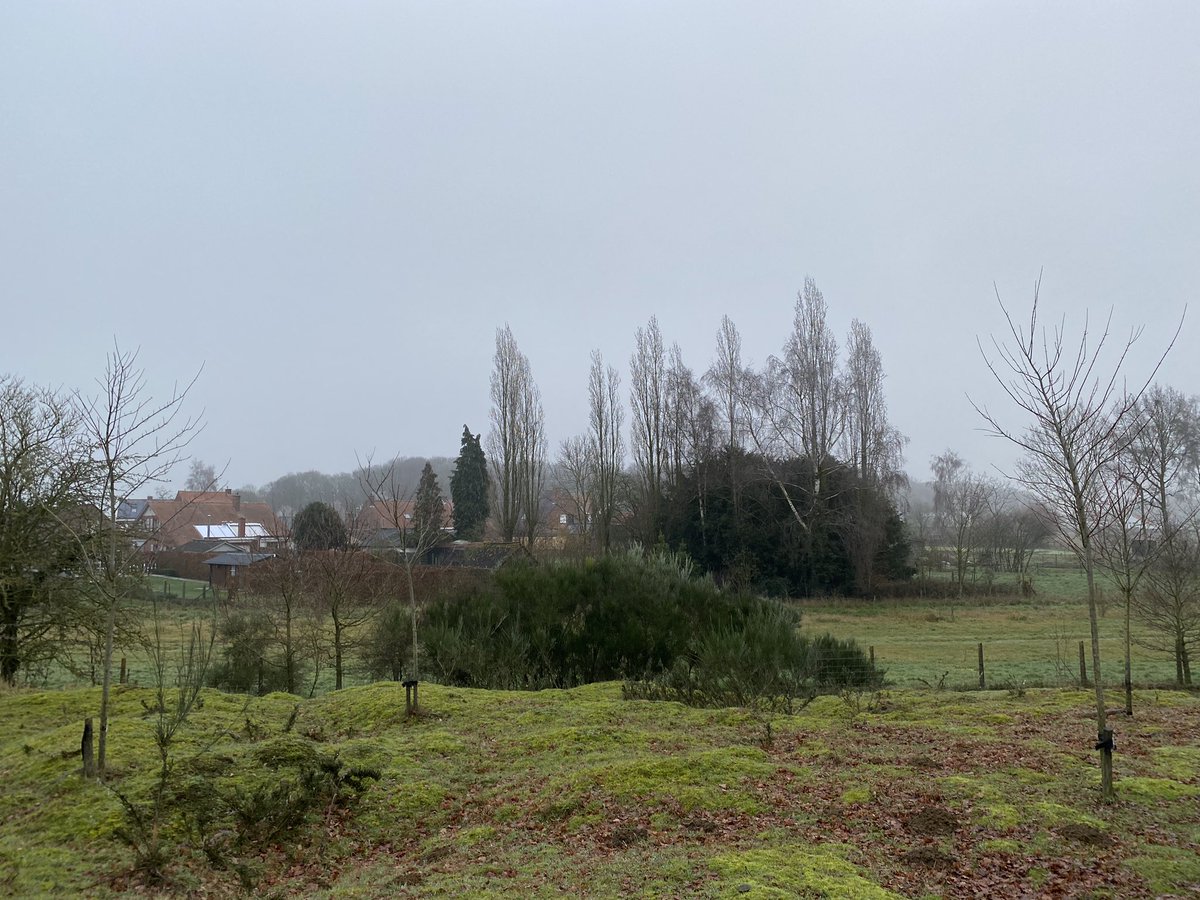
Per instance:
(1055,661)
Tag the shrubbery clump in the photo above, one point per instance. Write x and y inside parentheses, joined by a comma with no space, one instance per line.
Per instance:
(644,619)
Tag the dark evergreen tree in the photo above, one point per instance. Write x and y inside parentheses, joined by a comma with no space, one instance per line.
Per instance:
(429,509)
(469,489)
(319,527)
(752,541)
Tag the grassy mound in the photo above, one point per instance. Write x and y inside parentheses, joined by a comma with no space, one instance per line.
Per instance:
(537,794)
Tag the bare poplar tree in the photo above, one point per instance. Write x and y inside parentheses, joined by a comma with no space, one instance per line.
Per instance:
(531,459)
(606,417)
(874,447)
(814,385)
(517,441)
(680,398)
(797,409)
(647,399)
(509,373)
(135,441)
(692,435)
(1080,419)
(726,377)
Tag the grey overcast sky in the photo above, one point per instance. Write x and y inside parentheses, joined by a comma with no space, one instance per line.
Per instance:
(332,207)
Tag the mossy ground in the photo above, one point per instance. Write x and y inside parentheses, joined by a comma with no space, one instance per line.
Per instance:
(581,792)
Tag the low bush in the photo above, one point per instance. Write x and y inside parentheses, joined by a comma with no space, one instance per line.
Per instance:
(647,619)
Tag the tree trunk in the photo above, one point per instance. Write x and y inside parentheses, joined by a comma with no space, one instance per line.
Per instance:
(1179,661)
(10,648)
(337,655)
(1128,657)
(1106,782)
(289,654)
(86,747)
(412,599)
(106,688)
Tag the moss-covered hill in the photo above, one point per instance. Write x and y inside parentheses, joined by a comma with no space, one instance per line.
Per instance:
(581,792)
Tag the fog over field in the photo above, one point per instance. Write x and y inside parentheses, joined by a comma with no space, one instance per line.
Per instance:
(332,209)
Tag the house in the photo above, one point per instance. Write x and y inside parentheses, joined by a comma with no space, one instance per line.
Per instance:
(170,524)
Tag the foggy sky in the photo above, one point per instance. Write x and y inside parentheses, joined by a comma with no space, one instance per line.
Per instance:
(333,207)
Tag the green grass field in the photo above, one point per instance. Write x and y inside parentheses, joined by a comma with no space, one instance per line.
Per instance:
(1032,641)
(921,643)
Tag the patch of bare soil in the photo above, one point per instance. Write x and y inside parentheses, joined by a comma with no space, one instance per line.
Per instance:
(922,761)
(930,857)
(933,820)
(627,835)
(1085,834)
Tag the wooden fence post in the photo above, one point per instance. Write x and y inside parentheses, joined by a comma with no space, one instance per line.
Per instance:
(1083,679)
(86,749)
(124,678)
(872,651)
(982,680)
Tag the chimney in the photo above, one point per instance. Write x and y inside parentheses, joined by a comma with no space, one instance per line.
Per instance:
(237,501)
(241,526)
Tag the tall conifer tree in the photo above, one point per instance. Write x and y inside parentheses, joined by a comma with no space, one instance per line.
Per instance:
(469,488)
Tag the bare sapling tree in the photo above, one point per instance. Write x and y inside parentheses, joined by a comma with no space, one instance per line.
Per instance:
(282,603)
(417,514)
(347,583)
(606,416)
(134,441)
(1079,419)
(1124,549)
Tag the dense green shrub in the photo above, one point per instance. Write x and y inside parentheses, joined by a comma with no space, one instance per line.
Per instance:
(569,623)
(766,662)
(643,618)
